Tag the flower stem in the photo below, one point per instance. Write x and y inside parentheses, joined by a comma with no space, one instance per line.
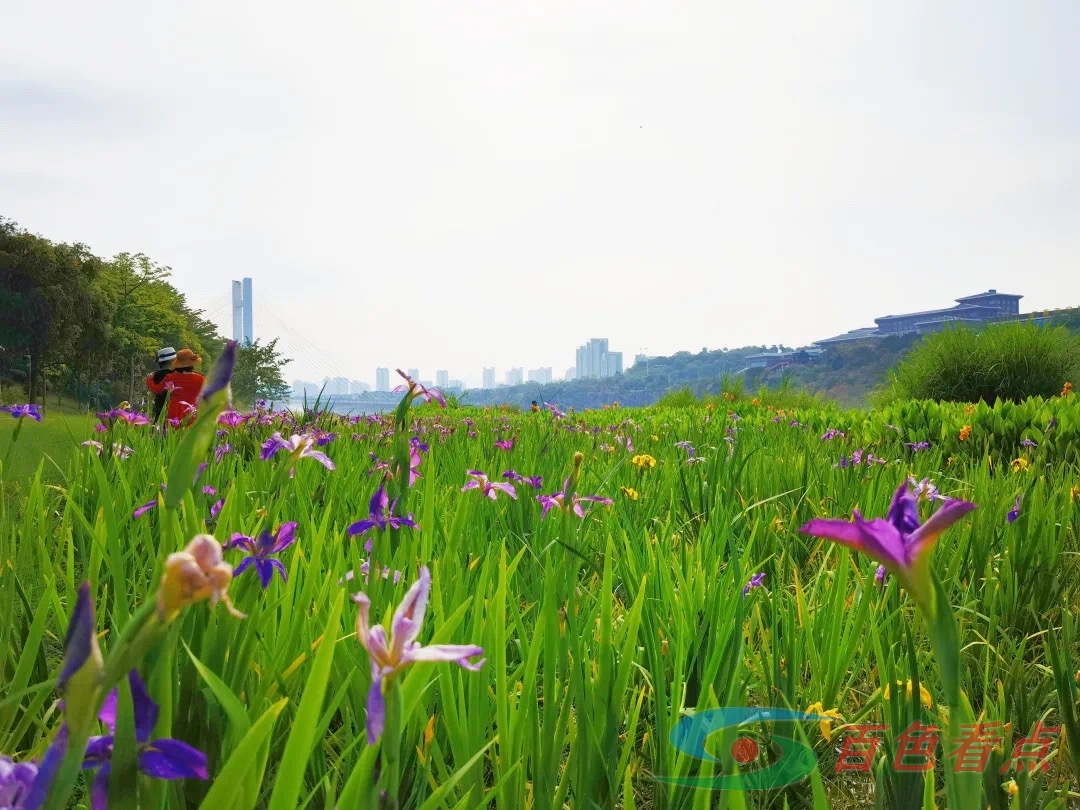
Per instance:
(390,749)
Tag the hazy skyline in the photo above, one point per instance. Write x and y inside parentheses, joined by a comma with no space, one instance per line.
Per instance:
(456,186)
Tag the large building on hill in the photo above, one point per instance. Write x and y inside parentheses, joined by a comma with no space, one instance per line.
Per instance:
(972,309)
(594,359)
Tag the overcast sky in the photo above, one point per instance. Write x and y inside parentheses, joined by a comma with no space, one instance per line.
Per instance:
(460,184)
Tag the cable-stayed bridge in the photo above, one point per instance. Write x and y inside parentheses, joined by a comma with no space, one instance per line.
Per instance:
(233,313)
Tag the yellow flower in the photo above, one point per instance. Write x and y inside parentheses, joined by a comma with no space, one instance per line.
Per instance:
(1011,787)
(778,524)
(825,725)
(196,573)
(642,461)
(965,433)
(629,493)
(709,406)
(924,695)
(969,410)
(1019,464)
(655,438)
(1067,389)
(755,401)
(1074,493)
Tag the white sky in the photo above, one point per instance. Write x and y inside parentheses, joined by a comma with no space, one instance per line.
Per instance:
(461,184)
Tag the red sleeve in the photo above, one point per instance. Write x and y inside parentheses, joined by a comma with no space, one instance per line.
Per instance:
(156,388)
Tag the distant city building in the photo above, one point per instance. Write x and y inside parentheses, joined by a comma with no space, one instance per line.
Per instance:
(489,377)
(640,359)
(594,359)
(358,386)
(455,386)
(988,306)
(571,374)
(442,378)
(540,375)
(382,379)
(414,374)
(302,388)
(515,376)
(336,386)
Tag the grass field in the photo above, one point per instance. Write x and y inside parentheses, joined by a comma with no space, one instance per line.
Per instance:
(636,577)
(53,441)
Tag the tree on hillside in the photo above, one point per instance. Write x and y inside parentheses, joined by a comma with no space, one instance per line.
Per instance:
(258,374)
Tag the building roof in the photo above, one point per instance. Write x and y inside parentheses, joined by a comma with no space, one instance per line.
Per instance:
(854,334)
(988,294)
(932,312)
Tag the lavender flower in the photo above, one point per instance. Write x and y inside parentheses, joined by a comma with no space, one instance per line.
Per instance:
(562,500)
(380,517)
(756,581)
(489,489)
(162,758)
(416,391)
(259,550)
(390,655)
(21,411)
(535,481)
(298,446)
(899,541)
(1014,513)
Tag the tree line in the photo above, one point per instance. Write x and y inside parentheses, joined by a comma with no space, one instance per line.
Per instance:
(78,324)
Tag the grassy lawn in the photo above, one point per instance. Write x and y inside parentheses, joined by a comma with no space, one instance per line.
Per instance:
(55,438)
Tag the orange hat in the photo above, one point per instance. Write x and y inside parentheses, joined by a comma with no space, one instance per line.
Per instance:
(185,358)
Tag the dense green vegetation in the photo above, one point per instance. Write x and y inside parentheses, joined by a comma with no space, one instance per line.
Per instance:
(1008,361)
(76,325)
(691,586)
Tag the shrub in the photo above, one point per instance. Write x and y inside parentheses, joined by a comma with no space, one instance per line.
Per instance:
(1009,361)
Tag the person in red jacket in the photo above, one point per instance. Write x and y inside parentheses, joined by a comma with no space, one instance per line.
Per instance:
(183,386)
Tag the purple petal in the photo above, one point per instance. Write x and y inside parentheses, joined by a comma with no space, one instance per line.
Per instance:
(454,653)
(172,759)
(80,641)
(221,372)
(923,538)
(50,764)
(142,510)
(507,488)
(144,708)
(904,510)
(286,536)
(878,538)
(265,571)
(280,568)
(243,566)
(409,616)
(99,790)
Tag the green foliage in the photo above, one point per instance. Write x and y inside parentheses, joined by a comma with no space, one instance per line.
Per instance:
(258,374)
(1009,361)
(600,634)
(85,325)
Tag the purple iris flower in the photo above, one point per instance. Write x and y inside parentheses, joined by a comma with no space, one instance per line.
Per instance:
(879,575)
(380,517)
(691,451)
(209,490)
(322,438)
(414,462)
(221,451)
(25,785)
(100,428)
(559,500)
(391,654)
(97,447)
(220,373)
(535,481)
(489,489)
(142,510)
(1028,443)
(417,391)
(259,550)
(856,458)
(1014,513)
(164,758)
(899,540)
(917,446)
(298,446)
(233,419)
(505,444)
(843,462)
(756,581)
(19,411)
(831,434)
(926,490)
